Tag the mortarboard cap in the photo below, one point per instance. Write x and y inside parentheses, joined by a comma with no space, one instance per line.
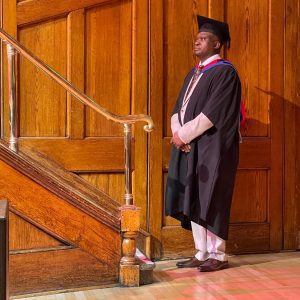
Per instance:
(218,28)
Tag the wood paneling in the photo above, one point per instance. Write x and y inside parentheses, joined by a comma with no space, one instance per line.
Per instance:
(292,125)
(112,184)
(249,52)
(251,189)
(64,184)
(59,217)
(276,86)
(156,111)
(139,103)
(23,235)
(58,270)
(75,52)
(108,64)
(29,11)
(102,155)
(104,50)
(42,101)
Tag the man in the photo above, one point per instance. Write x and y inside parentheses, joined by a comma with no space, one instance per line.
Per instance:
(205,152)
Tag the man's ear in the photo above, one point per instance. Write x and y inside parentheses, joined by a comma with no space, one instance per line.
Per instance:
(218,45)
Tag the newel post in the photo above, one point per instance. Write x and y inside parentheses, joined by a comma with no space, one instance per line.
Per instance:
(130,222)
(130,225)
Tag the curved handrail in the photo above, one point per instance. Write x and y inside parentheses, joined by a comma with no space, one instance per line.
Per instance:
(130,119)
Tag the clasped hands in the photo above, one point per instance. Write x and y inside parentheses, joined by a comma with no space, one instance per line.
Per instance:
(179,144)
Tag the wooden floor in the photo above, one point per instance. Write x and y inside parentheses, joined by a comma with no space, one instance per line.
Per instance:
(259,276)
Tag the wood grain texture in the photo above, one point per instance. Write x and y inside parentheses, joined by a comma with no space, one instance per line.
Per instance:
(249,23)
(291,126)
(76,30)
(155,139)
(243,238)
(58,216)
(102,154)
(111,184)
(58,270)
(42,101)
(108,65)
(139,103)
(25,236)
(251,189)
(30,11)
(276,86)
(72,188)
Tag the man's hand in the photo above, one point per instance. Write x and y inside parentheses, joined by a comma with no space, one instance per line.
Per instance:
(176,141)
(186,148)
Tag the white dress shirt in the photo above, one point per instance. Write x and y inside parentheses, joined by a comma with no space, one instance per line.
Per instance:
(198,125)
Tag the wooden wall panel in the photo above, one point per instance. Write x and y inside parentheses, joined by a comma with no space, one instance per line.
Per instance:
(55,215)
(58,270)
(75,52)
(30,11)
(292,125)
(112,184)
(249,52)
(108,64)
(250,199)
(24,236)
(42,101)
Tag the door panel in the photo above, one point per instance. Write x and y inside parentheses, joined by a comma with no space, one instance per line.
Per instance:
(254,224)
(108,65)
(101,47)
(42,102)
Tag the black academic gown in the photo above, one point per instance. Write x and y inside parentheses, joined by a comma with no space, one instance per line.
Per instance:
(200,183)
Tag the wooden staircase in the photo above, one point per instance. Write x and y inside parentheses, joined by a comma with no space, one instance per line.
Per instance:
(64,232)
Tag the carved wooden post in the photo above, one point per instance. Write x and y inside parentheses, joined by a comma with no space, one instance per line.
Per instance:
(129,266)
(3,250)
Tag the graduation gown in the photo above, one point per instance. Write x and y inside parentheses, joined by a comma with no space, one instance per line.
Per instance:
(200,183)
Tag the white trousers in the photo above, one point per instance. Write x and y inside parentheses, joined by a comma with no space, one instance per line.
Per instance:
(208,244)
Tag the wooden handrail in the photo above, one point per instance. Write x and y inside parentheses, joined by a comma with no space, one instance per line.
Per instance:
(130,119)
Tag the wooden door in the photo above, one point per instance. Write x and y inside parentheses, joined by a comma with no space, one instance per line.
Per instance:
(99,46)
(257,52)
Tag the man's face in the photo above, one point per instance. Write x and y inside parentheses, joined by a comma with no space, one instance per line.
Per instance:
(206,45)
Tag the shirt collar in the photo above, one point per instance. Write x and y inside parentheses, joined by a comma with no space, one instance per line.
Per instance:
(210,59)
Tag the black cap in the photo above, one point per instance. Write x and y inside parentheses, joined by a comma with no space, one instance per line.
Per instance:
(218,28)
